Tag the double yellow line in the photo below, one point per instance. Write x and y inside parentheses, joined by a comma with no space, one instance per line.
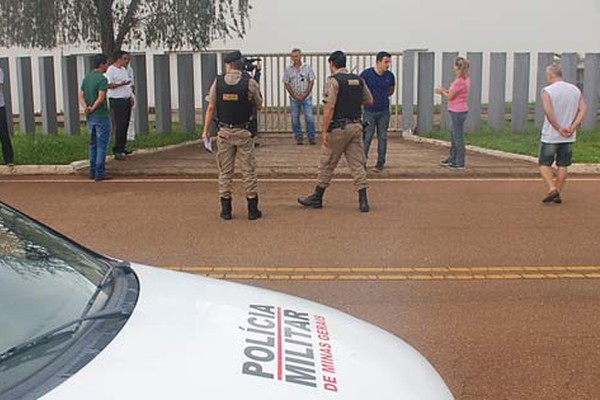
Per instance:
(394,273)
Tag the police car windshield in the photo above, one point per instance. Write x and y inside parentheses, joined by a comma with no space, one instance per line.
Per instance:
(45,280)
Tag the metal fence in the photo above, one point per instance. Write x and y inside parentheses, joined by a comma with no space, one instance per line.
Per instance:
(170,88)
(277,113)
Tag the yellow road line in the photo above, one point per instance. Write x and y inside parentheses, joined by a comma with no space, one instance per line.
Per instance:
(374,270)
(397,273)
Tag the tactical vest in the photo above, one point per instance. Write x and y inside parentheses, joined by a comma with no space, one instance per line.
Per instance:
(233,104)
(349,100)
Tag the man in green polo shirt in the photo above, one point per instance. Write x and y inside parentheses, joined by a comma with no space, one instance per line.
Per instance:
(92,98)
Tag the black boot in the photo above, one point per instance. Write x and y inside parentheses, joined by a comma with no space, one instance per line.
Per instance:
(253,211)
(226,208)
(363,203)
(315,200)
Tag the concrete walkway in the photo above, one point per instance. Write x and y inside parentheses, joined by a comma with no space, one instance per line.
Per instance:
(279,156)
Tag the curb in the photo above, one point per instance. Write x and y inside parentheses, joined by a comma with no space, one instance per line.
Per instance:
(75,166)
(574,168)
(37,170)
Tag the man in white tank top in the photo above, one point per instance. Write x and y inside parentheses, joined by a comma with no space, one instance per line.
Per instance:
(564,110)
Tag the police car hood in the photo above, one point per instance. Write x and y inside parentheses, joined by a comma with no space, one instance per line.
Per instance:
(191,337)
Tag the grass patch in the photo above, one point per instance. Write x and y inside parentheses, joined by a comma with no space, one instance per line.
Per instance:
(62,149)
(585,150)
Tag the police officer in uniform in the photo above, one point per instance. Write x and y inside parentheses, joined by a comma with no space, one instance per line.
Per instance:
(232,98)
(344,95)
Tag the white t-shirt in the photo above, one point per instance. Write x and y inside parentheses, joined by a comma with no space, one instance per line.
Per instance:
(2,104)
(118,75)
(565,99)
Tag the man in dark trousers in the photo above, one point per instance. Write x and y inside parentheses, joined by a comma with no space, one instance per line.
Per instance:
(344,95)
(120,97)
(232,98)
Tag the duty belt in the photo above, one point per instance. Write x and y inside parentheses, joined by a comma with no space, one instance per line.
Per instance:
(341,123)
(245,125)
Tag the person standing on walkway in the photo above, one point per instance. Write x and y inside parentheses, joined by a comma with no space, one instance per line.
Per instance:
(232,98)
(299,80)
(120,97)
(344,95)
(131,127)
(564,109)
(7,150)
(458,107)
(92,98)
(382,84)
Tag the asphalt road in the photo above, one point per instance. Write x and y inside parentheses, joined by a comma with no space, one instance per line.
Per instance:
(499,292)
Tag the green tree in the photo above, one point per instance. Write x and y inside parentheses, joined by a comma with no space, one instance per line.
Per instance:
(110,24)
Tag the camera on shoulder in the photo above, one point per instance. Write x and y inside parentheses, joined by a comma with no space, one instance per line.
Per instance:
(250,64)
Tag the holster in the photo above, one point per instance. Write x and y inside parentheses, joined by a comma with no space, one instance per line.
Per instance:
(341,123)
(253,126)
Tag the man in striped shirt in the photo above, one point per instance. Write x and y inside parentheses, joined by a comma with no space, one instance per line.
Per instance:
(299,80)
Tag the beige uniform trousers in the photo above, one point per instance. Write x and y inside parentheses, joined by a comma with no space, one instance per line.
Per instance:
(348,141)
(232,143)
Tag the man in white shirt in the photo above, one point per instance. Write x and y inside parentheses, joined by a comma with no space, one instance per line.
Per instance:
(564,109)
(120,97)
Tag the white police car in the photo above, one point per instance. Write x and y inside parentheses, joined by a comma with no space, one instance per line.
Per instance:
(78,325)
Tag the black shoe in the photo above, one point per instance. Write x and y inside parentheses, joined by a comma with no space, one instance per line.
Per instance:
(378,168)
(226,208)
(456,167)
(92,177)
(363,203)
(128,152)
(120,156)
(445,162)
(551,196)
(104,177)
(315,200)
(558,199)
(253,211)
(299,142)
(312,142)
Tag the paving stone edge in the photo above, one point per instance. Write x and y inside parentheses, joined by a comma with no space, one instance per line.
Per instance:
(75,166)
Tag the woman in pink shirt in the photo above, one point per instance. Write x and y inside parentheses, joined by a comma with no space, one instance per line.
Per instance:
(458,95)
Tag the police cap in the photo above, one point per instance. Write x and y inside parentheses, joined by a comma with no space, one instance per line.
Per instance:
(232,57)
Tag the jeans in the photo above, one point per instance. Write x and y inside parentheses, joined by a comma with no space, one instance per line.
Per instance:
(99,128)
(379,120)
(7,150)
(297,107)
(457,150)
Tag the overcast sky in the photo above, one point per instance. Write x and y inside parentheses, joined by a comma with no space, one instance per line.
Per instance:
(458,25)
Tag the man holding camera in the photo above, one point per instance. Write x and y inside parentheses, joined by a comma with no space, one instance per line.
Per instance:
(344,95)
(232,98)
